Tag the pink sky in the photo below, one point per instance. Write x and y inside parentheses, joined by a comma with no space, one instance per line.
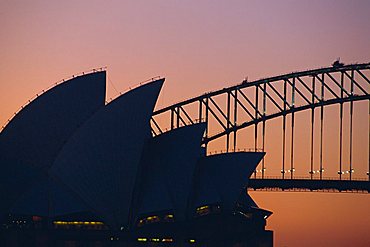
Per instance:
(198,46)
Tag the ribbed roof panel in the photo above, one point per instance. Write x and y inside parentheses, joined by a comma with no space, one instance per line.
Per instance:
(221,178)
(33,138)
(100,162)
(168,168)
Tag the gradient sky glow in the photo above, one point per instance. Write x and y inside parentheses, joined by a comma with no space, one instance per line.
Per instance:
(198,46)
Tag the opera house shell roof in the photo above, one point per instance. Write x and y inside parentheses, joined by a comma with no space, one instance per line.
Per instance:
(68,152)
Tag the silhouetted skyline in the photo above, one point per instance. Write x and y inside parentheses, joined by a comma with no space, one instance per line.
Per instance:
(198,47)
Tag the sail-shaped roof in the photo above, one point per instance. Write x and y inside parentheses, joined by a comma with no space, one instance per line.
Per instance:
(167,170)
(100,162)
(31,141)
(48,197)
(222,177)
(205,191)
(246,200)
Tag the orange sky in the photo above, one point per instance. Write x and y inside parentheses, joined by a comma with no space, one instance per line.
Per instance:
(198,46)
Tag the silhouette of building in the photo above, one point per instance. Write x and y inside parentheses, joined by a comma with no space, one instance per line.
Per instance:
(73,165)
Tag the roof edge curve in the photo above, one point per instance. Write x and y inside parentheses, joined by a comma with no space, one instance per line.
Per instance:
(47,89)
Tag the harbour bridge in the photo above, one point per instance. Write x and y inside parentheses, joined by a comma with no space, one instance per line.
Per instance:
(322,113)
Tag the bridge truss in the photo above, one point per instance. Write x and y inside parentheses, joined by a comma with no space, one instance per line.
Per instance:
(249,105)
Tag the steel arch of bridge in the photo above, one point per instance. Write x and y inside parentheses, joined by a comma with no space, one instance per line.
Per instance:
(269,98)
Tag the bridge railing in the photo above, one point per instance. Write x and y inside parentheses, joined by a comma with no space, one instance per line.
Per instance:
(309,178)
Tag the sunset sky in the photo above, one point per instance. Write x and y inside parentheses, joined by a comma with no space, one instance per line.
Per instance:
(198,46)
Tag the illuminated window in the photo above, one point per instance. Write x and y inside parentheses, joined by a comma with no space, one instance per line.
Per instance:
(208,209)
(152,219)
(203,210)
(169,218)
(149,220)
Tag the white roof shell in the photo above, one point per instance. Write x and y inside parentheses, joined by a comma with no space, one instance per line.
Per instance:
(221,178)
(100,161)
(168,170)
(31,141)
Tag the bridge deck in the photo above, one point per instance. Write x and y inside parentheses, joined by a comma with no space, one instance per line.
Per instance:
(310,185)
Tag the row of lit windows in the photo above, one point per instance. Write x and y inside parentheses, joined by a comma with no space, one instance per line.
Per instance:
(207,209)
(200,211)
(168,240)
(155,219)
(78,223)
(90,225)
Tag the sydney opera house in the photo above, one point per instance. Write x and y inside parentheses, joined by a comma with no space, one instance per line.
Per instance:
(75,168)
